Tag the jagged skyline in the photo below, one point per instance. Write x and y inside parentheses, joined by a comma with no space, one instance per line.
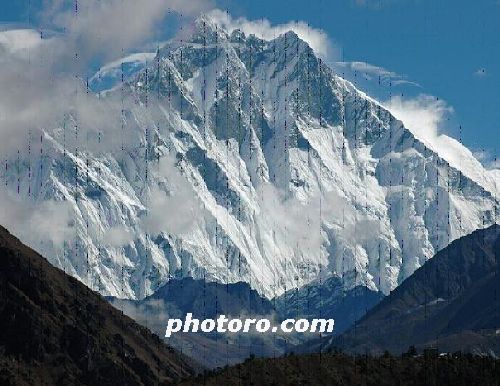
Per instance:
(234,158)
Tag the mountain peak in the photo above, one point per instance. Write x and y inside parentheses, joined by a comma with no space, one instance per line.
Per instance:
(238,36)
(256,130)
(205,30)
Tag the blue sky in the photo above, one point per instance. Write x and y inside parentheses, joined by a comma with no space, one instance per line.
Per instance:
(451,49)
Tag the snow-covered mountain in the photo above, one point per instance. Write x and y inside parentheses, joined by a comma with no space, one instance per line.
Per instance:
(249,160)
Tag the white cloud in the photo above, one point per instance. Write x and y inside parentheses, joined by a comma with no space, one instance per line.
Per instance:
(173,206)
(263,29)
(37,223)
(293,219)
(111,27)
(19,41)
(424,117)
(42,87)
(43,79)
(118,236)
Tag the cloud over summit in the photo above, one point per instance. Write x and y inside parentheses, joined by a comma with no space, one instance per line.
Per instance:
(318,39)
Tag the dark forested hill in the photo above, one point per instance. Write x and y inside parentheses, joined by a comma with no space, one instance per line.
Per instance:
(451,302)
(54,330)
(340,369)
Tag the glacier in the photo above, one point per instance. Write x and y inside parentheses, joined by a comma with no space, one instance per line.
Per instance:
(234,158)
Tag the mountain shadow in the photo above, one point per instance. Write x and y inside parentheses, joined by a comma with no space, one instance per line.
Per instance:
(328,300)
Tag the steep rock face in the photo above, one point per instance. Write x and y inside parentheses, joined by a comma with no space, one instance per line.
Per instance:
(245,159)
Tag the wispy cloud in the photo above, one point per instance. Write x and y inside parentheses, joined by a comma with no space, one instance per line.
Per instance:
(117,236)
(108,28)
(42,76)
(369,71)
(19,41)
(42,88)
(424,116)
(487,158)
(173,195)
(374,4)
(48,223)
